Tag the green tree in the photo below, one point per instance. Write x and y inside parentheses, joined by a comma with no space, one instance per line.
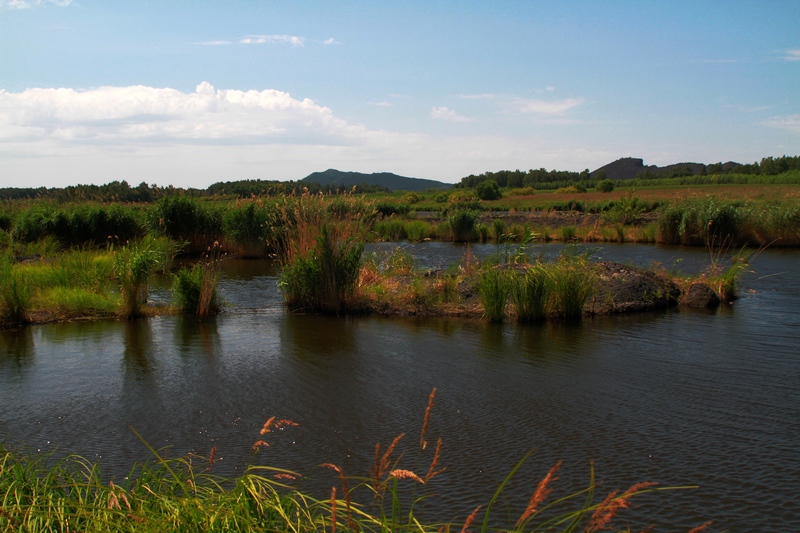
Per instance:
(488,190)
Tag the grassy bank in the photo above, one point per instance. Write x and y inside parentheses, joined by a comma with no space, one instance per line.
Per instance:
(183,494)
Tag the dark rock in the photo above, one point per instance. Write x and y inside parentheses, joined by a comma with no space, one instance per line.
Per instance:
(700,295)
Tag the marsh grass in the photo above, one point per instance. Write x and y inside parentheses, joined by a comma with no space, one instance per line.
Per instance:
(15,292)
(42,494)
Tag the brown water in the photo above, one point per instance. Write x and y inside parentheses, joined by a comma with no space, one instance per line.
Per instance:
(678,397)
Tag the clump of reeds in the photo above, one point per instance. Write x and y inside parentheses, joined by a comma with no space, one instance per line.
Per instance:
(320,240)
(463,225)
(573,283)
(195,289)
(133,265)
(531,293)
(495,287)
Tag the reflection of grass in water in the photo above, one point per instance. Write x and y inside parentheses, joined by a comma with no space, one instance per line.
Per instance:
(183,494)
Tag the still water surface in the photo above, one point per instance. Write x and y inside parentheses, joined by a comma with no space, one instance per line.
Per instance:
(678,397)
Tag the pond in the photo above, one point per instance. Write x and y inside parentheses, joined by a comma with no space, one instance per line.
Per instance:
(679,397)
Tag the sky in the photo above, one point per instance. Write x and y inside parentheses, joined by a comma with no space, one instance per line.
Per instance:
(189,93)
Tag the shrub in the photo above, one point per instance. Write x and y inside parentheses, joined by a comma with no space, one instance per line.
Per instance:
(604,186)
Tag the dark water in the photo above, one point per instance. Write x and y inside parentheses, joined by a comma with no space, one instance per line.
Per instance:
(677,397)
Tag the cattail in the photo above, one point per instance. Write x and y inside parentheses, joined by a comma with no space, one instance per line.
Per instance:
(436,456)
(406,474)
(422,443)
(470,519)
(543,490)
(609,507)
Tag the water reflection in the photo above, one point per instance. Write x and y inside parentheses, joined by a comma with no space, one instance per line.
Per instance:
(16,349)
(138,348)
(191,334)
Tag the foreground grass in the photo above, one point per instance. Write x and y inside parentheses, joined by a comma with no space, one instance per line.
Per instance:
(71,494)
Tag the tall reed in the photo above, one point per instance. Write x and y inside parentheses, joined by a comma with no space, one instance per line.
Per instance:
(462,224)
(573,284)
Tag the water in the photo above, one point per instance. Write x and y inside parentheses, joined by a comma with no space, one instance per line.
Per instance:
(678,397)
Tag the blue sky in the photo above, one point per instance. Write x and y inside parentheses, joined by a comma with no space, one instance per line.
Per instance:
(189,93)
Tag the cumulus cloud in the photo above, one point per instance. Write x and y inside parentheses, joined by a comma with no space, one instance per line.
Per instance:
(444,113)
(25,4)
(125,114)
(792,55)
(547,107)
(786,122)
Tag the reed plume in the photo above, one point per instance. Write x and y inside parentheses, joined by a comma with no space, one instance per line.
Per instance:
(432,471)
(701,527)
(406,474)
(543,490)
(422,443)
(609,507)
(470,519)
(267,425)
(333,509)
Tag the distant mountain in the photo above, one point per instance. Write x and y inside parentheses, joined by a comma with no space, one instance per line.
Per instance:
(391,181)
(630,167)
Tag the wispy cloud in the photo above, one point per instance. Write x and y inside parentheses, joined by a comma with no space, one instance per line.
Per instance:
(382,104)
(26,4)
(444,113)
(258,39)
(786,122)
(546,107)
(483,96)
(712,61)
(792,55)
(330,41)
(272,39)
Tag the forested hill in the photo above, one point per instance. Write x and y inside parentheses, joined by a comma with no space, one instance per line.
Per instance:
(387,180)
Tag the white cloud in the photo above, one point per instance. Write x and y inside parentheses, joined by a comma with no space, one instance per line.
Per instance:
(139,113)
(25,4)
(443,113)
(271,39)
(258,39)
(792,55)
(546,107)
(786,122)
(330,41)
